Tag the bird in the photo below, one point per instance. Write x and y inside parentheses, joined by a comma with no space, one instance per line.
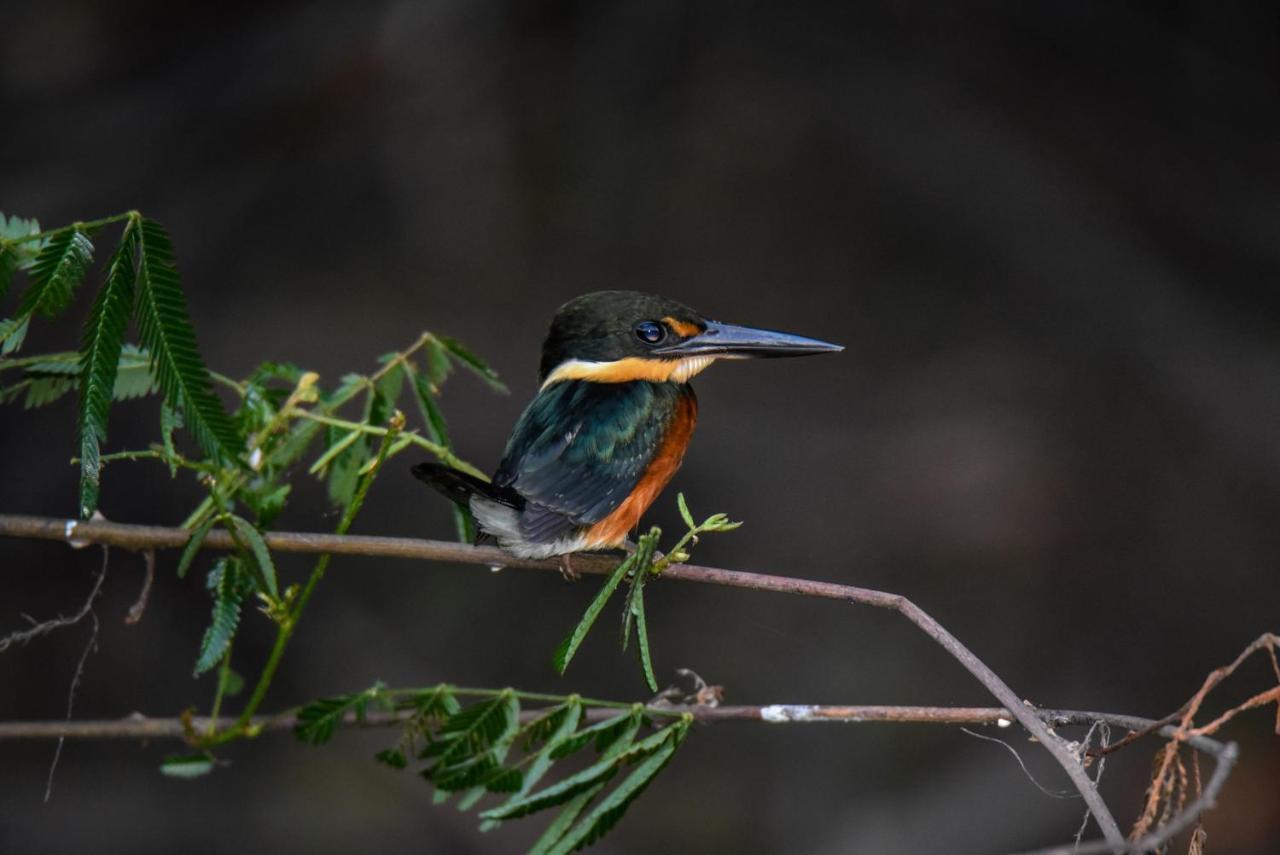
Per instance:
(609,425)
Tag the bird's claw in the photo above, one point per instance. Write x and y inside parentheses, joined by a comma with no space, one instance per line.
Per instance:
(566,568)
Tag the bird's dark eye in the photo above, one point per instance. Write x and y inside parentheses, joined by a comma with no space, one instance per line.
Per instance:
(650,332)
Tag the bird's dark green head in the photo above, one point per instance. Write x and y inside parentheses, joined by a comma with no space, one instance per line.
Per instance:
(617,336)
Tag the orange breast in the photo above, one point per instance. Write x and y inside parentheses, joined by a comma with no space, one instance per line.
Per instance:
(613,529)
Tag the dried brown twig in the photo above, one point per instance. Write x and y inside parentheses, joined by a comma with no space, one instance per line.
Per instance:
(1169,782)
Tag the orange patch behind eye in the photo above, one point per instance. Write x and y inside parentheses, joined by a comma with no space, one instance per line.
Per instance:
(683,329)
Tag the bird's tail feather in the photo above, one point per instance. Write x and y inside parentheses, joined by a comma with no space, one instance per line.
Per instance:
(459,487)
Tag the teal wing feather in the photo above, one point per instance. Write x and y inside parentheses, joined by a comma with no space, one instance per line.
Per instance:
(581,448)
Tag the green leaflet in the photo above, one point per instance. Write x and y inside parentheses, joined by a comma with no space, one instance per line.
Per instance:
(635,595)
(605,734)
(100,350)
(228,585)
(165,328)
(642,642)
(552,728)
(438,432)
(564,653)
(8,264)
(266,568)
(57,271)
(170,420)
(12,333)
(564,820)
(193,546)
(319,719)
(473,363)
(48,377)
(562,791)
(606,814)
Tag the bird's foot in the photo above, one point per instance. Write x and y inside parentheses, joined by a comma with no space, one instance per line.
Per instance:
(566,568)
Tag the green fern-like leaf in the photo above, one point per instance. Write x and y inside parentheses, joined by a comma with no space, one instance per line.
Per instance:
(44,390)
(134,377)
(318,720)
(552,728)
(606,814)
(167,333)
(473,363)
(57,271)
(605,734)
(227,583)
(100,362)
(8,264)
(12,333)
(265,568)
(564,653)
(471,745)
(562,791)
(193,545)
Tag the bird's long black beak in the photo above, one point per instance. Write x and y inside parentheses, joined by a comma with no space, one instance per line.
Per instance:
(729,340)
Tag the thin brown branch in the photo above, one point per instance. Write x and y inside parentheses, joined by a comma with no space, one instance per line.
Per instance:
(141,537)
(138,726)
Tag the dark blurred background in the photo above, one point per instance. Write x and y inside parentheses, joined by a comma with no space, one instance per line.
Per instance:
(1049,235)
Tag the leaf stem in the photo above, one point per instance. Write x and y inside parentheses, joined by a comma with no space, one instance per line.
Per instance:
(359,427)
(89,225)
(243,725)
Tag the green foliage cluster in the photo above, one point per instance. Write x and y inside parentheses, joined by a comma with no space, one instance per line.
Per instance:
(637,570)
(488,748)
(282,418)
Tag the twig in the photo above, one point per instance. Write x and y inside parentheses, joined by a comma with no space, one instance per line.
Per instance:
(392,547)
(45,627)
(140,605)
(79,672)
(71,700)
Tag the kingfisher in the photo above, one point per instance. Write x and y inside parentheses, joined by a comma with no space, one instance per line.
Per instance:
(609,426)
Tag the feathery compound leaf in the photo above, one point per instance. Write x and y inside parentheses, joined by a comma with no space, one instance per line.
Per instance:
(100,362)
(568,647)
(57,270)
(12,332)
(642,558)
(473,363)
(166,331)
(552,728)
(595,775)
(564,820)
(266,568)
(193,545)
(318,719)
(226,581)
(42,390)
(642,642)
(605,734)
(134,377)
(17,227)
(610,810)
(8,264)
